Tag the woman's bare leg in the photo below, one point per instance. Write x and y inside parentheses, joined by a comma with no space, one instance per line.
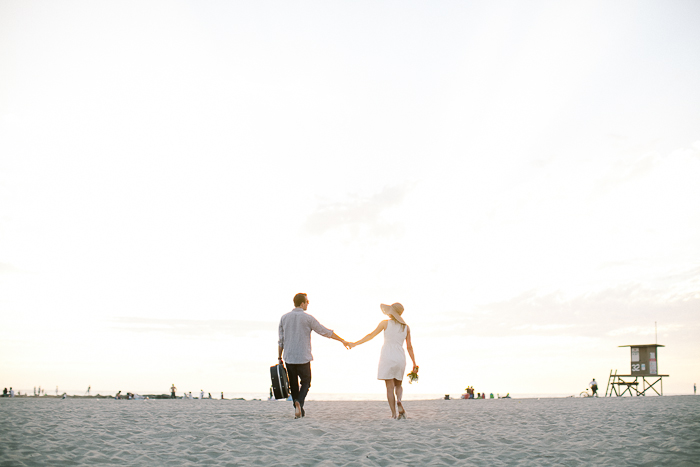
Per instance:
(398,389)
(390,396)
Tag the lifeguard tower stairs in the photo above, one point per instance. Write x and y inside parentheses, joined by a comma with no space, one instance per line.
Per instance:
(644,365)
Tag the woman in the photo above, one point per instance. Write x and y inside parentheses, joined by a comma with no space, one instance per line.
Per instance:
(392,360)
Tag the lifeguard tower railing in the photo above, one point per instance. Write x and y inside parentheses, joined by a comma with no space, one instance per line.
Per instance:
(643,375)
(619,385)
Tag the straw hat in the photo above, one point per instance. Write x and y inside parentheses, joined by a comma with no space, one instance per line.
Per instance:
(394,310)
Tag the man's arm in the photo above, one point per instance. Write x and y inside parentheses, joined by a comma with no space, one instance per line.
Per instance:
(280,342)
(319,328)
(338,338)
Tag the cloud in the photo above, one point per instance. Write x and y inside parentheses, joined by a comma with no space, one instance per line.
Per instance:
(542,327)
(8,268)
(648,161)
(624,310)
(646,331)
(360,213)
(193,328)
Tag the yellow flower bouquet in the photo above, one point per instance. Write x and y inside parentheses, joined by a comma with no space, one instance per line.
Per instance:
(413,375)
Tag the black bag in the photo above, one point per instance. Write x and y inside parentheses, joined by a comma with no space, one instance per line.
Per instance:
(280,383)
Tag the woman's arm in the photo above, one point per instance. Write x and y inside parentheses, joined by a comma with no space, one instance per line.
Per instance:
(409,347)
(373,334)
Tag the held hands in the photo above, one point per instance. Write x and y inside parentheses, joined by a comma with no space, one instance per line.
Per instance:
(348,345)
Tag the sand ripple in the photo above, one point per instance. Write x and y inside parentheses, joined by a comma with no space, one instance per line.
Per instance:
(621,431)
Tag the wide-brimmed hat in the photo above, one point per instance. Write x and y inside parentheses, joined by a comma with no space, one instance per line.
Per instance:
(394,311)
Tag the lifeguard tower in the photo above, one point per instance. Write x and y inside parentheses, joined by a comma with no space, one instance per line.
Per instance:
(644,365)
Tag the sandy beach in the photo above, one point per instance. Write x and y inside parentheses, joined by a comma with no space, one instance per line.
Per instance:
(575,431)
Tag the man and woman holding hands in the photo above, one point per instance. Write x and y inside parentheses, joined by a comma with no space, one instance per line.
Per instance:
(295,344)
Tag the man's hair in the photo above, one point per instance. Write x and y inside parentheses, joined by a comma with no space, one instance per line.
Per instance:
(299,299)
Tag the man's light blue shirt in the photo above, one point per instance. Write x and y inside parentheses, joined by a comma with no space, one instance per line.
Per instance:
(295,335)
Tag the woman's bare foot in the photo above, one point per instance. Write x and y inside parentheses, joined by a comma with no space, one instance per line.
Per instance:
(297,410)
(402,412)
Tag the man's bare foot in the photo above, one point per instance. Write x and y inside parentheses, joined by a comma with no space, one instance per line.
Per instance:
(402,412)
(297,410)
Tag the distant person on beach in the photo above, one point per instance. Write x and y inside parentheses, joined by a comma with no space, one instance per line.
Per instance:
(172,391)
(222,395)
(295,342)
(119,395)
(594,387)
(201,393)
(4,392)
(695,389)
(88,391)
(12,392)
(392,359)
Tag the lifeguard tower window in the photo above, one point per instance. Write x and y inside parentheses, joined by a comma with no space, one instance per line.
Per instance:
(644,361)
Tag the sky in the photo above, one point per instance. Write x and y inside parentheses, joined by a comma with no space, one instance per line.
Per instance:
(521,176)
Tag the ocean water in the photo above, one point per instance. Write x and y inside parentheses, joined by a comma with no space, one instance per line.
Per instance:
(313,396)
(319,396)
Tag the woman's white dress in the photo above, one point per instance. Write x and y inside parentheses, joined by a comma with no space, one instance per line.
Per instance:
(392,360)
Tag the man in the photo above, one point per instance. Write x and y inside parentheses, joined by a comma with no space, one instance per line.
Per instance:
(295,341)
(594,387)
(172,391)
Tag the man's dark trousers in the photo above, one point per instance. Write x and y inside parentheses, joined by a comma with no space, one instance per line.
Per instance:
(297,371)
